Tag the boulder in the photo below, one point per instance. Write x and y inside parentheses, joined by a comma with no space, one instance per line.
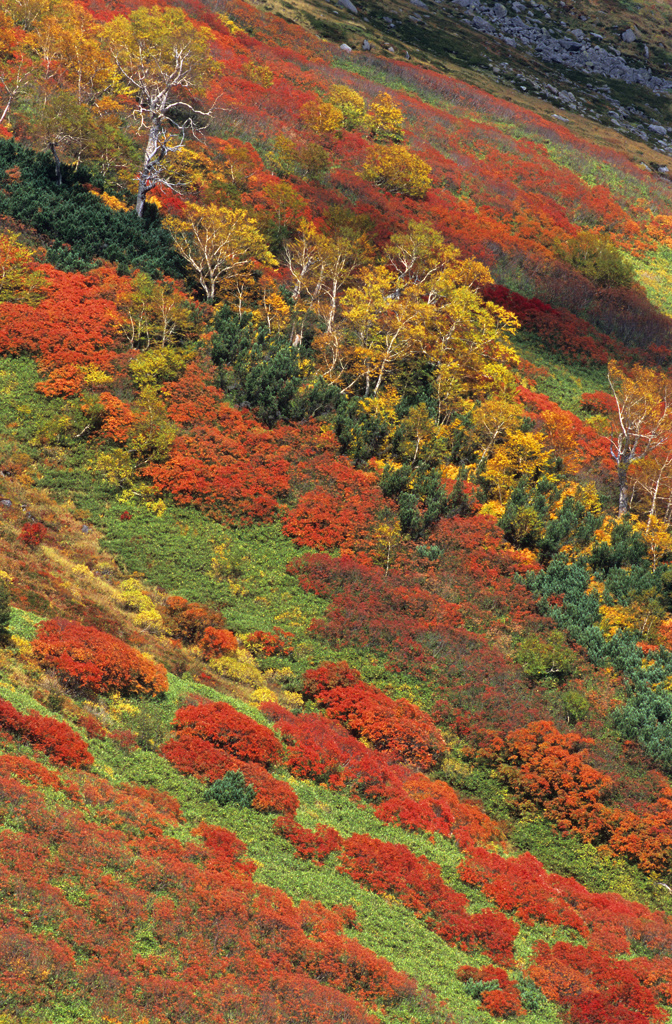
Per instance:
(346,48)
(628,36)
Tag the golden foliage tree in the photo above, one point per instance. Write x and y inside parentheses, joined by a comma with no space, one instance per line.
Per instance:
(219,244)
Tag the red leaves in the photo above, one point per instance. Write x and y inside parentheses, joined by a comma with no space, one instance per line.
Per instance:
(87,659)
(373,610)
(396,726)
(315,845)
(32,534)
(502,1001)
(215,643)
(596,990)
(227,944)
(342,511)
(224,727)
(417,883)
(212,739)
(188,621)
(75,323)
(270,645)
(233,469)
(61,743)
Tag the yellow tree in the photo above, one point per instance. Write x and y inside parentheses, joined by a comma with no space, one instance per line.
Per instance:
(219,244)
(385,119)
(378,329)
(641,422)
(16,67)
(397,170)
(157,313)
(493,420)
(160,58)
(320,266)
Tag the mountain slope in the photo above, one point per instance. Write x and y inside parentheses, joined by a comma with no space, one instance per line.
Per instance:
(334,686)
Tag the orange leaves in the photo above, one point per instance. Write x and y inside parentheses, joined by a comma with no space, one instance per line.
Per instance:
(87,659)
(118,418)
(76,321)
(215,643)
(61,743)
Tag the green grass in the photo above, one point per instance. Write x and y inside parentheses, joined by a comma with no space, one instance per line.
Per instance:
(566,382)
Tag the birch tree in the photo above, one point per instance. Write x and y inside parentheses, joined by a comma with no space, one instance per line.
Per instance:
(161,59)
(641,422)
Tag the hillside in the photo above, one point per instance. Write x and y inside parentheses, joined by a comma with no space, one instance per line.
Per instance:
(335,504)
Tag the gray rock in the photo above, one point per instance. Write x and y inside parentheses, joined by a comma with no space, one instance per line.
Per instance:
(349,6)
(577,33)
(390,49)
(499,11)
(366,45)
(518,7)
(658,129)
(419,3)
(346,48)
(628,36)
(480,24)
(509,40)
(6,502)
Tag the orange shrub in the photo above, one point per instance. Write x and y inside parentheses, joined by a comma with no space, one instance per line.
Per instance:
(84,658)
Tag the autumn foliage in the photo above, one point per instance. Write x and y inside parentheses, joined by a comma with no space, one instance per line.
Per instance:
(211,739)
(86,659)
(57,739)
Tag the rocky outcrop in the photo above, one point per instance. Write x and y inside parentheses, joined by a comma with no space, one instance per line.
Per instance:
(531,25)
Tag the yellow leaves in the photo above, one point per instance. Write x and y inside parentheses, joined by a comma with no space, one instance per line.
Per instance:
(157,366)
(218,243)
(351,105)
(154,45)
(274,312)
(147,615)
(397,170)
(523,454)
(111,201)
(420,439)
(261,74)
(658,539)
(18,282)
(386,119)
(323,118)
(304,159)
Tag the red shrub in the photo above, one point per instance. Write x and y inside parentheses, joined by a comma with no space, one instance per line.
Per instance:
(271,795)
(32,534)
(223,726)
(503,1001)
(85,658)
(187,621)
(315,845)
(61,743)
(396,726)
(217,642)
(270,645)
(417,883)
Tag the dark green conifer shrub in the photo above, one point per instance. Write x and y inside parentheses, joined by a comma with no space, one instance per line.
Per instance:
(5,614)
(231,789)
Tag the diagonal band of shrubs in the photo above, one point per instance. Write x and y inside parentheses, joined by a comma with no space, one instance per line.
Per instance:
(58,741)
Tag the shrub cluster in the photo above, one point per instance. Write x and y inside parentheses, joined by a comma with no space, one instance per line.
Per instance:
(87,659)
